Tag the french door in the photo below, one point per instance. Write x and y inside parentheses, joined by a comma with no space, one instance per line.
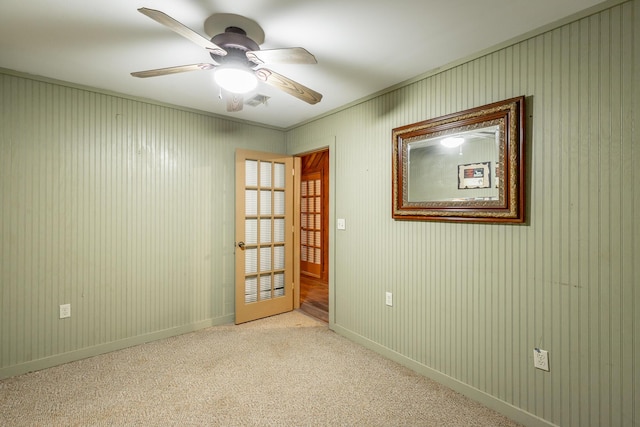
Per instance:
(311,225)
(265,252)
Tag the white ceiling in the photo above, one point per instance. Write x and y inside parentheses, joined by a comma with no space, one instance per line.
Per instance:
(362,46)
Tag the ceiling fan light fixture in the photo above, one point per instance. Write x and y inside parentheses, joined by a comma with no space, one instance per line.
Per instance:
(235,80)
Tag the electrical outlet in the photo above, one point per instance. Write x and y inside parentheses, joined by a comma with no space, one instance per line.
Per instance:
(65,311)
(389,299)
(541,359)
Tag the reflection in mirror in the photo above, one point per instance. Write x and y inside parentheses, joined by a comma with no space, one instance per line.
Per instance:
(465,166)
(435,164)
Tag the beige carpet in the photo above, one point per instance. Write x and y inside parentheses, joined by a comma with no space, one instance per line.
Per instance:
(287,370)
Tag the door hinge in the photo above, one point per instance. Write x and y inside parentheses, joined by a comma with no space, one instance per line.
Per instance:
(293,172)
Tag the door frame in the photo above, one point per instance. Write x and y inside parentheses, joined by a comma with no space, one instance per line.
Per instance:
(301,149)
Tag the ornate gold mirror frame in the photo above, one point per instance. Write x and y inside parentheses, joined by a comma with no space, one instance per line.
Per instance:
(466,166)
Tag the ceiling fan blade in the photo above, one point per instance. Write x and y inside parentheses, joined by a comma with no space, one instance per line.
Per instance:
(183,30)
(291,55)
(172,70)
(289,86)
(234,101)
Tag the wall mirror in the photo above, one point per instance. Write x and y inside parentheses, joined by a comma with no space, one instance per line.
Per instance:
(465,166)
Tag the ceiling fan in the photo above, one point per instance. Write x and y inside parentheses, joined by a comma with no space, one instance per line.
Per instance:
(237,58)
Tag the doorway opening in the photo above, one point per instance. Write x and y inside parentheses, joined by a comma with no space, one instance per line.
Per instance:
(314,234)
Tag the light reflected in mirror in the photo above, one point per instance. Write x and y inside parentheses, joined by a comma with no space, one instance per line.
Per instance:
(465,166)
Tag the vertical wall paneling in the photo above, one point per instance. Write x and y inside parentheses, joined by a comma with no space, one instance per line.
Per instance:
(471,301)
(630,245)
(121,208)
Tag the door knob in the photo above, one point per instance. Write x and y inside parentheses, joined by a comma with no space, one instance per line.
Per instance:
(241,245)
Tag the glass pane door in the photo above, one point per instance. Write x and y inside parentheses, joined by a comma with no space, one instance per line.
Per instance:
(264,219)
(311,224)
(264,230)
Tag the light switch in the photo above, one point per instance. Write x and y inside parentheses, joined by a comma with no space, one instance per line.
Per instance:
(389,299)
(342,225)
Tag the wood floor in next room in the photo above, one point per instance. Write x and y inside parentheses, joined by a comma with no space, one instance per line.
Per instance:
(314,297)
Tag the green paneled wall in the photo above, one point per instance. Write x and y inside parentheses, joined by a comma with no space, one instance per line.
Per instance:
(121,208)
(471,301)
(125,209)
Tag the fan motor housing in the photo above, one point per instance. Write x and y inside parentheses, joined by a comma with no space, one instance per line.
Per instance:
(235,41)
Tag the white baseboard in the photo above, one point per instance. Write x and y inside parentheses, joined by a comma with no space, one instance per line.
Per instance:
(83,353)
(512,412)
